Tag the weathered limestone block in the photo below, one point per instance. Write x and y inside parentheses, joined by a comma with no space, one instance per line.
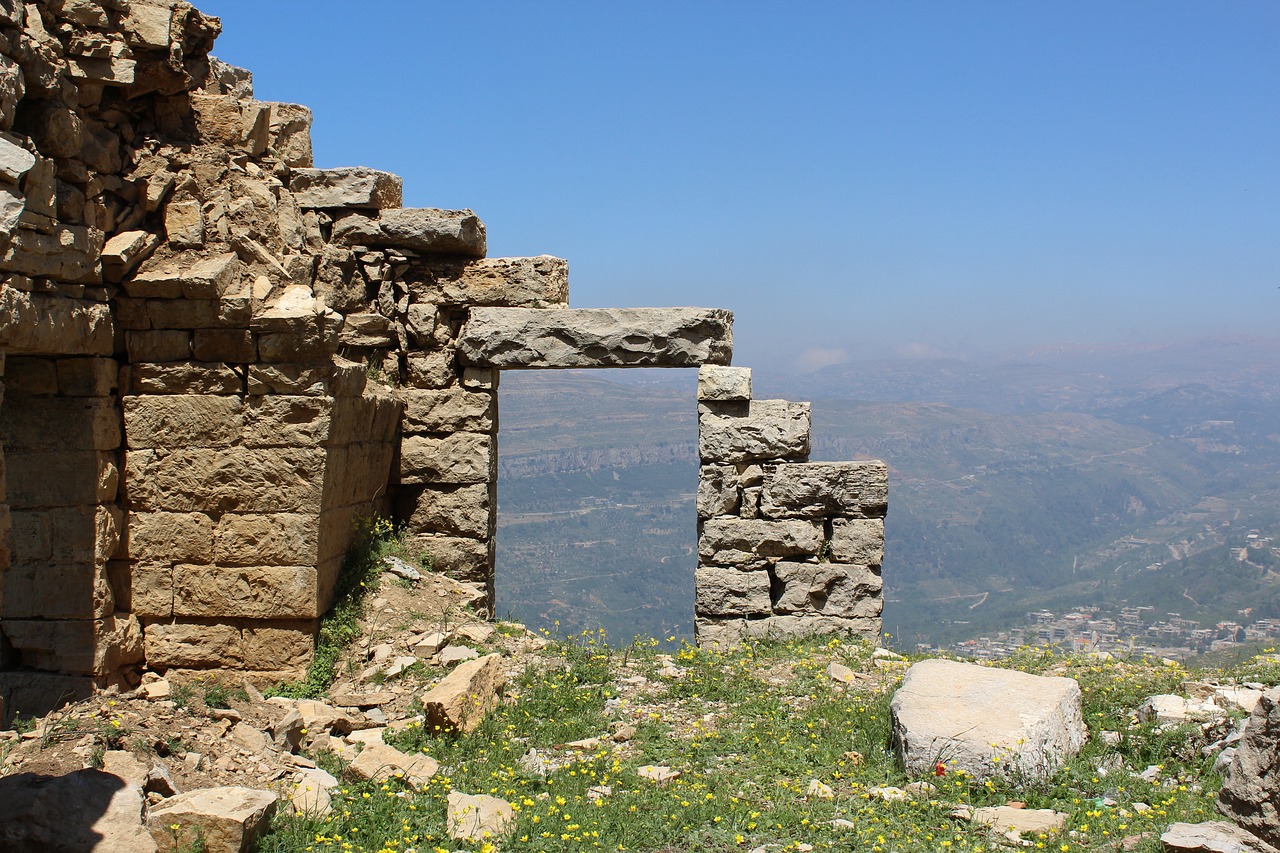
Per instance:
(225,119)
(307,380)
(63,478)
(60,591)
(730,592)
(15,161)
(761,429)
(857,540)
(727,633)
(367,330)
(186,421)
(353,187)
(378,762)
(457,557)
(717,491)
(87,377)
(426,230)
(596,337)
(69,254)
(224,345)
(1215,836)
(184,223)
(287,421)
(723,539)
(816,489)
(828,589)
(460,459)
(158,346)
(181,378)
(447,410)
(125,251)
(295,310)
(32,377)
(721,383)
(41,323)
(159,537)
(234,309)
(60,423)
(84,810)
(202,644)
(286,479)
(538,282)
(76,647)
(985,721)
(227,819)
(478,817)
(462,699)
(435,369)
(1250,793)
(460,511)
(247,592)
(277,538)
(187,275)
(357,473)
(290,127)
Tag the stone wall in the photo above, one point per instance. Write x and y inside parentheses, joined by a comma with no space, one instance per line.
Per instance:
(215,356)
(786,547)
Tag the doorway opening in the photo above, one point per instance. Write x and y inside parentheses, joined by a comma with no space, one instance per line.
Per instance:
(597,477)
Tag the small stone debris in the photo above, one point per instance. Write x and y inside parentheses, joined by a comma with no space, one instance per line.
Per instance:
(457,654)
(401,569)
(819,790)
(658,773)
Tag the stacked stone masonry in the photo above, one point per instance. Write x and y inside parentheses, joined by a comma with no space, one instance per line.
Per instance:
(215,357)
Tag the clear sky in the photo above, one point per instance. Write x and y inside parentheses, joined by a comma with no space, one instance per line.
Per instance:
(853,179)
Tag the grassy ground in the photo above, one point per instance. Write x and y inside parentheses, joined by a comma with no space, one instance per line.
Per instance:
(748,731)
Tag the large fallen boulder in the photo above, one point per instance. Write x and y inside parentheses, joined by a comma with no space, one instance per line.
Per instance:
(985,721)
(220,820)
(85,810)
(1250,793)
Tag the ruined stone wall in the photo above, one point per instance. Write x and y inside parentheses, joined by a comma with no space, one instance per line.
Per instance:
(786,547)
(214,357)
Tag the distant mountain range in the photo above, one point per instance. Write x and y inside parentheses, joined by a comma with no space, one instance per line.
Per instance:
(1065,477)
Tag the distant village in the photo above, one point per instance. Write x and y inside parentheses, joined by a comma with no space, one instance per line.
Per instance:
(1131,631)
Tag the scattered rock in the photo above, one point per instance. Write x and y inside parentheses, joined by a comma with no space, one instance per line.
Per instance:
(1213,837)
(1250,793)
(477,817)
(457,654)
(85,810)
(227,819)
(466,695)
(379,762)
(819,790)
(1005,819)
(658,773)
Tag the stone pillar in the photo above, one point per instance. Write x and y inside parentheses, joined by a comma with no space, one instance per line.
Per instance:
(786,547)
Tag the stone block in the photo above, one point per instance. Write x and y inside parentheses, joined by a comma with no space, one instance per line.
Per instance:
(65,478)
(720,383)
(184,223)
(461,511)
(746,432)
(76,647)
(827,589)
(729,592)
(717,491)
(857,540)
(287,421)
(43,323)
(296,347)
(87,377)
(1214,836)
(60,423)
(357,473)
(187,275)
(457,557)
(245,592)
(513,338)
(425,230)
(233,345)
(123,252)
(193,645)
(165,537)
(299,379)
(434,369)
(181,378)
(727,633)
(816,489)
(353,187)
(82,810)
(150,589)
(198,314)
(724,539)
(56,591)
(366,330)
(69,254)
(278,645)
(447,410)
(290,126)
(158,346)
(1250,793)
(31,377)
(985,721)
(539,282)
(466,695)
(183,421)
(227,120)
(460,459)
(283,479)
(226,820)
(277,538)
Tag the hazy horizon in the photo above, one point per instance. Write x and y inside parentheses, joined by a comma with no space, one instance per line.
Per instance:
(853,180)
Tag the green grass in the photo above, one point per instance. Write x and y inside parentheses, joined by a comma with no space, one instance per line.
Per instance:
(748,731)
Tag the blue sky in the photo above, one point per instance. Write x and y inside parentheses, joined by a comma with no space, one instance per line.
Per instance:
(854,180)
